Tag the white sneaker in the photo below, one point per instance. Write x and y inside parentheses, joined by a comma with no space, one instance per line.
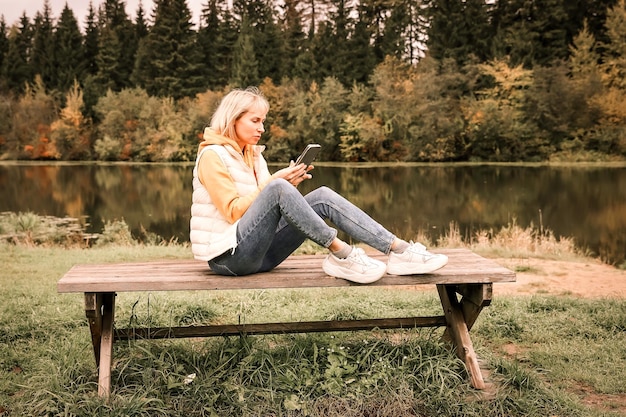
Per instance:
(357,267)
(415,260)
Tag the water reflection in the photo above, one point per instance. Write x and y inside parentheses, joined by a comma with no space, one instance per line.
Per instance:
(586,203)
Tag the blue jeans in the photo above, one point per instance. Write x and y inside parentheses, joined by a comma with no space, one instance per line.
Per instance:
(280,219)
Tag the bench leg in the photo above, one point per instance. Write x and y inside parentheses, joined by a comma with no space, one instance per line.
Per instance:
(106,345)
(458,330)
(93,311)
(100,312)
(474,298)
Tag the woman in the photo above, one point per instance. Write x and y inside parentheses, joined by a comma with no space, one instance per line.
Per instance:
(245,220)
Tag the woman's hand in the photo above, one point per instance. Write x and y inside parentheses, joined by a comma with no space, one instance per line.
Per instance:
(295,174)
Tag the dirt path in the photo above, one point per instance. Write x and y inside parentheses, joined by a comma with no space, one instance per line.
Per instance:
(590,278)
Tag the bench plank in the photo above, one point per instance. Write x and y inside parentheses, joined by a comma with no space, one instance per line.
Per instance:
(302,271)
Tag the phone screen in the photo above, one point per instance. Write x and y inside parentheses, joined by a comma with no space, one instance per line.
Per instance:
(309,154)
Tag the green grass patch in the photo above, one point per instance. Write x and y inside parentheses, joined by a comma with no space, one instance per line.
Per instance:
(537,348)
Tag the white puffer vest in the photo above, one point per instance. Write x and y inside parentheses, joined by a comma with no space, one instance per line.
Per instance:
(210,233)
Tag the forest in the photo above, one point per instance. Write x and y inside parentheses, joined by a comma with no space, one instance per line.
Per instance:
(370,80)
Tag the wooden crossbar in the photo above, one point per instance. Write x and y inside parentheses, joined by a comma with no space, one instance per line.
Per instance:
(278,328)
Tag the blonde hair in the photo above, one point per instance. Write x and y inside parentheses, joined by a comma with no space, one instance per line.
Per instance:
(234,105)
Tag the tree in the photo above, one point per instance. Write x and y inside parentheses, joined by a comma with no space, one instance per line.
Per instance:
(17,69)
(612,134)
(362,58)
(70,133)
(296,44)
(458,29)
(42,60)
(265,36)
(4,49)
(591,13)
(393,42)
(322,46)
(337,53)
(497,125)
(33,114)
(245,64)
(615,49)
(69,58)
(395,107)
(313,13)
(557,105)
(117,46)
(584,72)
(583,56)
(91,40)
(169,62)
(530,32)
(141,26)
(217,37)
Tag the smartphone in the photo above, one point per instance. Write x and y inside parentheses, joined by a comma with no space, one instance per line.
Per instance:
(308,155)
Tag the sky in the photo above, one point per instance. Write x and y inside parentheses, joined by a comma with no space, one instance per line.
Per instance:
(13,9)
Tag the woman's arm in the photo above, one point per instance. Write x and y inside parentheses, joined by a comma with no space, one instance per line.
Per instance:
(221,187)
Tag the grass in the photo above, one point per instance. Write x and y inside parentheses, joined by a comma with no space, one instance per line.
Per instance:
(547,355)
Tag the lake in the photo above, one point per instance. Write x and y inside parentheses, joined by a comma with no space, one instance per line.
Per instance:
(586,203)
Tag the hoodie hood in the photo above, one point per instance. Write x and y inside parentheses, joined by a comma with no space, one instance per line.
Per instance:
(248,151)
(212,138)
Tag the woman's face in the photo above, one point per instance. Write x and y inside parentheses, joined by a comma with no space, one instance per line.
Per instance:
(249,127)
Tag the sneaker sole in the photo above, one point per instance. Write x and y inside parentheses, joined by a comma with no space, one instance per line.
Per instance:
(338,272)
(409,268)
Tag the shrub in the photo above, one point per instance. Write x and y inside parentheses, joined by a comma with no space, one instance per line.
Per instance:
(70,134)
(116,233)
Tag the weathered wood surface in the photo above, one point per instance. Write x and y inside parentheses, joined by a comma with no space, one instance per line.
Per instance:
(302,271)
(278,328)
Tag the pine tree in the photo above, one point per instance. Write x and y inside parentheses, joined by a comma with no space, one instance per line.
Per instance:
(591,13)
(373,16)
(4,49)
(394,42)
(531,33)
(458,30)
(615,50)
(322,49)
(296,44)
(42,54)
(117,46)
(265,36)
(110,75)
(216,37)
(69,56)
(91,41)
(362,57)
(169,60)
(583,56)
(245,66)
(18,70)
(336,54)
(141,26)
(314,12)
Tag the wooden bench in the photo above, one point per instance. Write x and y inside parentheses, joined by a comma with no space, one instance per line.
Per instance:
(466,274)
